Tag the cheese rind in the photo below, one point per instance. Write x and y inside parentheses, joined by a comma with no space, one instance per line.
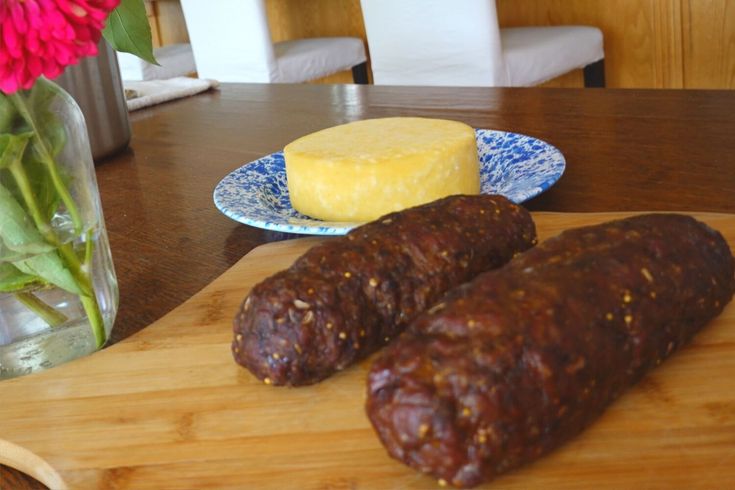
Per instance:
(365,169)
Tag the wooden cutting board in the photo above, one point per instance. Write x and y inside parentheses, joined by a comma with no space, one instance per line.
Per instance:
(168,408)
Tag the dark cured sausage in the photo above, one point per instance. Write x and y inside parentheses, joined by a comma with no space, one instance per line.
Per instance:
(347,297)
(514,363)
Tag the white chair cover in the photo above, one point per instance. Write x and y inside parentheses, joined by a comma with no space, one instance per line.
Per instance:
(459,43)
(307,59)
(231,40)
(534,55)
(232,43)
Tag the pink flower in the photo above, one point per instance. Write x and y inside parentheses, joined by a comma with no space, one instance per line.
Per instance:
(42,37)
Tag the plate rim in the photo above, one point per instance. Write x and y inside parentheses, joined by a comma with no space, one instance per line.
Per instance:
(331,230)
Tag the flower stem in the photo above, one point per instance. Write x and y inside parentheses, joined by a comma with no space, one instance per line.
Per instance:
(48,314)
(24,185)
(49,162)
(66,251)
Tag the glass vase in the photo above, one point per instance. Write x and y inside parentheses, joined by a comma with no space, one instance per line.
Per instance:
(58,290)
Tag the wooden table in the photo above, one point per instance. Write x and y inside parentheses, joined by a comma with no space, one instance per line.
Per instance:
(626,150)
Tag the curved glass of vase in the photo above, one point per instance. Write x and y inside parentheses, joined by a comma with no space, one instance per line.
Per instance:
(58,290)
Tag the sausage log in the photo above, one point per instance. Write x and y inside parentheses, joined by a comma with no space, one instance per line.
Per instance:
(514,363)
(348,296)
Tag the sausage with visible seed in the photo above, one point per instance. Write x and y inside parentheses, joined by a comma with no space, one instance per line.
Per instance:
(348,296)
(521,359)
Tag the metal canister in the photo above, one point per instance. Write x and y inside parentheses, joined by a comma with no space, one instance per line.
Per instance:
(96,86)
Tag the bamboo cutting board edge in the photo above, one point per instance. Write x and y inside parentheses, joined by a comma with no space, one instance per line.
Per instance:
(62,418)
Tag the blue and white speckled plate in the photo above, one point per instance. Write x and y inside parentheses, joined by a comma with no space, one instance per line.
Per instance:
(515,165)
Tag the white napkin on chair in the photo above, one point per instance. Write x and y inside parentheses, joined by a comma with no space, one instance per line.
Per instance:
(146,93)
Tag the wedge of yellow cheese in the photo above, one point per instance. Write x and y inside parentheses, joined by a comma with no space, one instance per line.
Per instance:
(365,169)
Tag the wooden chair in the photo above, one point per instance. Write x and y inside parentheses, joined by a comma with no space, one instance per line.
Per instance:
(459,43)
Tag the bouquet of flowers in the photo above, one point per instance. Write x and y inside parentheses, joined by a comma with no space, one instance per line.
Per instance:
(45,241)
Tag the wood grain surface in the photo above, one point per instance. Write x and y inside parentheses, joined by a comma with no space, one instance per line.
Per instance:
(168,25)
(709,43)
(626,150)
(169,408)
(292,19)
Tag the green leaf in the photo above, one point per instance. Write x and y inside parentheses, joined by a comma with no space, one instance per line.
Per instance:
(6,152)
(127,30)
(12,147)
(45,118)
(53,133)
(4,143)
(50,267)
(51,136)
(17,231)
(11,279)
(43,187)
(41,95)
(7,114)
